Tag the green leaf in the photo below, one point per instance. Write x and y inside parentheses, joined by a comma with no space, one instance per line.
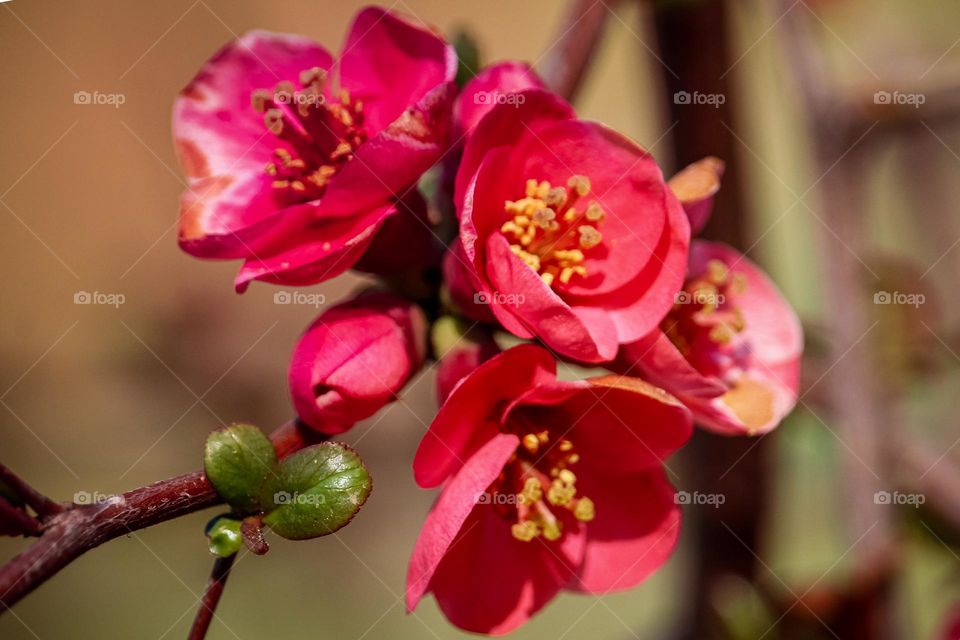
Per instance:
(319,490)
(468,56)
(239,460)
(223,534)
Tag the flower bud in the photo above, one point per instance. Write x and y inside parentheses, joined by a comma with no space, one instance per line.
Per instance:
(354,359)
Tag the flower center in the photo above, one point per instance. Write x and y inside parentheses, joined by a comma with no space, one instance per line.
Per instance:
(550,228)
(323,133)
(539,479)
(705,320)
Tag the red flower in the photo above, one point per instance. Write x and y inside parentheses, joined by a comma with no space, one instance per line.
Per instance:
(730,349)
(499,83)
(550,485)
(567,228)
(297,179)
(354,359)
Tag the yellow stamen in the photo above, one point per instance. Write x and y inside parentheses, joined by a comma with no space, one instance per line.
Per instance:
(532,491)
(525,531)
(531,443)
(579,184)
(584,511)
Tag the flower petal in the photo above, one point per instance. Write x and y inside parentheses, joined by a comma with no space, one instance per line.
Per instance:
(388,165)
(456,501)
(321,252)
(492,86)
(503,126)
(390,63)
(658,360)
(471,415)
(222,145)
(489,582)
(519,291)
(754,404)
(695,185)
(354,359)
(616,424)
(772,327)
(634,532)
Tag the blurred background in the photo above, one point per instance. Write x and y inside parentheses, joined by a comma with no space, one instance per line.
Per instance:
(841,192)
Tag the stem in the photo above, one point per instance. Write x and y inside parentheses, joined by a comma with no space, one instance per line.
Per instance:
(14,521)
(77,529)
(566,65)
(40,503)
(694,48)
(211,597)
(74,529)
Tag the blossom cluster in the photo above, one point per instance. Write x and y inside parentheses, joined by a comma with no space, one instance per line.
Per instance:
(536,223)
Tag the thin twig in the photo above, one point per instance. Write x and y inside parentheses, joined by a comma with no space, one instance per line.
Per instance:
(75,529)
(15,521)
(40,503)
(211,597)
(565,66)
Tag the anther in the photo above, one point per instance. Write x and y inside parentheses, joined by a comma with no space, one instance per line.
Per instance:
(579,184)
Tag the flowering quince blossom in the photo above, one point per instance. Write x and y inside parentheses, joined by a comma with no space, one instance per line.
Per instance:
(354,359)
(567,228)
(730,348)
(499,83)
(295,160)
(546,489)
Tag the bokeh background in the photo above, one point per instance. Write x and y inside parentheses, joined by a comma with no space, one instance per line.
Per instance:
(100,399)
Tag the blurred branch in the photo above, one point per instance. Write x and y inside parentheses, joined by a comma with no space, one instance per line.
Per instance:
(566,64)
(15,521)
(40,503)
(75,529)
(211,597)
(863,410)
(936,477)
(694,49)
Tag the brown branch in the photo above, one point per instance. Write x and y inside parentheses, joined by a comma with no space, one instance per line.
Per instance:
(75,529)
(211,597)
(40,503)
(15,521)
(565,67)
(935,476)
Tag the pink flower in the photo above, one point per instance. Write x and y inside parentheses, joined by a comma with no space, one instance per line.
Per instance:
(568,230)
(499,83)
(354,359)
(295,162)
(550,485)
(730,348)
